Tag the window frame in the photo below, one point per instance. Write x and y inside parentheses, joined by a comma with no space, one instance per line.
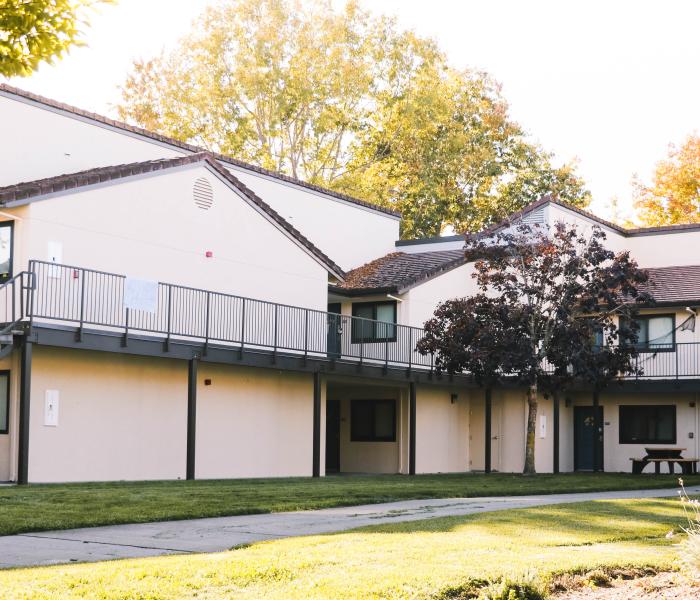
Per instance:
(374,339)
(624,407)
(6,429)
(644,346)
(10,265)
(373,403)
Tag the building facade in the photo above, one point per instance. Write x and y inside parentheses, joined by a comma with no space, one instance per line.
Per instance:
(172,313)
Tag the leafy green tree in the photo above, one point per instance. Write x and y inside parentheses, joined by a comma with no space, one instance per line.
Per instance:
(545,299)
(36,31)
(346,100)
(674,195)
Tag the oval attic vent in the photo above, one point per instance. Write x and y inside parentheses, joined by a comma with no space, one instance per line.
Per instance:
(203,193)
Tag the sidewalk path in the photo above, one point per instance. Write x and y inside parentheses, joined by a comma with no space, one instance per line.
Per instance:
(222,533)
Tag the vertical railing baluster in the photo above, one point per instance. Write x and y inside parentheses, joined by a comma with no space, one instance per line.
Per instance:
(242,328)
(306,333)
(125,341)
(274,352)
(168,319)
(79,336)
(206,325)
(410,348)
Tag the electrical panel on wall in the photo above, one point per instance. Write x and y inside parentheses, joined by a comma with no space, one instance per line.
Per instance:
(55,255)
(51,408)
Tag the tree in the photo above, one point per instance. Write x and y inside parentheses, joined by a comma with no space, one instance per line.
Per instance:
(348,101)
(36,31)
(674,196)
(546,299)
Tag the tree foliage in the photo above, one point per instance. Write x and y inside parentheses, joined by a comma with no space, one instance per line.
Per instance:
(347,100)
(545,298)
(36,31)
(674,195)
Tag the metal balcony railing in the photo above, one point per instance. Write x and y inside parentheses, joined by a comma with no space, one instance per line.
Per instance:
(95,299)
(86,298)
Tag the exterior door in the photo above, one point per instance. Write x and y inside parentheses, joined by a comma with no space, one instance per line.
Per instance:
(586,433)
(332,436)
(335,331)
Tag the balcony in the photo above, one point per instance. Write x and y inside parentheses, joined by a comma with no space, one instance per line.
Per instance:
(79,300)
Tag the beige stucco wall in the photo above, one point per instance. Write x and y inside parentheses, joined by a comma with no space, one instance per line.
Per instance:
(442,430)
(120,417)
(150,228)
(253,422)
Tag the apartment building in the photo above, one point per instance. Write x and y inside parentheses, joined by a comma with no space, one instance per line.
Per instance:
(174,313)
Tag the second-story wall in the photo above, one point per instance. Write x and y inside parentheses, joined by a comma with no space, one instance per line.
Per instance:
(150,227)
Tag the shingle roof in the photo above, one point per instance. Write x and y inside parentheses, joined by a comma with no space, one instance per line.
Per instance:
(27,191)
(189,147)
(674,285)
(398,271)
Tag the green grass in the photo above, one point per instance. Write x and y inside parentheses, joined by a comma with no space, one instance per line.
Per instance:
(424,559)
(64,506)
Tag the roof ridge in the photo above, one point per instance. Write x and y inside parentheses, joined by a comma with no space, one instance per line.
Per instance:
(190,147)
(70,181)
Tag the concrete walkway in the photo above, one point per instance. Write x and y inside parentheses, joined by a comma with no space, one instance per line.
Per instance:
(222,533)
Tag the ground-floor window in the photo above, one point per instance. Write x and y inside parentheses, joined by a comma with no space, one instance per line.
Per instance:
(4,401)
(373,420)
(648,424)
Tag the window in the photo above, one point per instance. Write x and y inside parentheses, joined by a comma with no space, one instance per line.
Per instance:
(6,231)
(382,324)
(648,424)
(656,332)
(373,421)
(4,401)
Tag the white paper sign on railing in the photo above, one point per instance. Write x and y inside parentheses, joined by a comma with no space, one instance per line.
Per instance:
(141,294)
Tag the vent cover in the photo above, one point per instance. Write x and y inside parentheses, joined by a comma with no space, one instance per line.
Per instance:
(203,193)
(536,217)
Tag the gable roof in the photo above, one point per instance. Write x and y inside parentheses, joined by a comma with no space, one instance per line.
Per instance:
(24,193)
(548,199)
(398,272)
(77,112)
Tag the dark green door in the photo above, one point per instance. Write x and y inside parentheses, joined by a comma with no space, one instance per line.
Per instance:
(332,436)
(586,433)
(335,330)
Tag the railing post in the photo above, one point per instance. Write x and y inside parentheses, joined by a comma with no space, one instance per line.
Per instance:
(306,333)
(125,341)
(410,349)
(274,351)
(240,355)
(675,351)
(79,335)
(206,325)
(386,347)
(166,345)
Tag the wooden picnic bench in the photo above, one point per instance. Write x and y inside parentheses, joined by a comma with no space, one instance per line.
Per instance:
(672,456)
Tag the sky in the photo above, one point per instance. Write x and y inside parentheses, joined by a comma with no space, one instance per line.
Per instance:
(609,83)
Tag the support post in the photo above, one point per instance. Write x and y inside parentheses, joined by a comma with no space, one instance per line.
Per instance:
(191,418)
(487,430)
(25,385)
(412,428)
(555,432)
(597,431)
(316,460)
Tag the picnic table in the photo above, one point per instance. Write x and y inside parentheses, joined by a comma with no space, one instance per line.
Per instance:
(672,456)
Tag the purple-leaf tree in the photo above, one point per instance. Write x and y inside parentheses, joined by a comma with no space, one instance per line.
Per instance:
(554,305)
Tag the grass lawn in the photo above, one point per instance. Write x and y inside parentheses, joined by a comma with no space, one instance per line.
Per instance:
(435,558)
(64,506)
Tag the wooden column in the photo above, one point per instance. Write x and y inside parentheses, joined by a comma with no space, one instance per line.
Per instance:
(316,459)
(487,430)
(555,432)
(191,418)
(598,428)
(412,428)
(25,384)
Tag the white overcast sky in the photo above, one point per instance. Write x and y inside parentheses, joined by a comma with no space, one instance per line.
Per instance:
(609,82)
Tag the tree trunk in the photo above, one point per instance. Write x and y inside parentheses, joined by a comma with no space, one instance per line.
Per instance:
(531,427)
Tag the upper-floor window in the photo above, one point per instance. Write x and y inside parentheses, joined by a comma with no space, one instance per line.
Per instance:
(6,235)
(656,332)
(382,324)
